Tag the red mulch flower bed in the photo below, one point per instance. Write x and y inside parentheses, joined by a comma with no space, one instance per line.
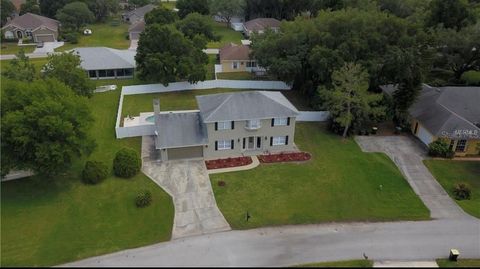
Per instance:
(285,157)
(228,162)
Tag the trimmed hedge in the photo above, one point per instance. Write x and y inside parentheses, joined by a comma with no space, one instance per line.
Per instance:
(126,163)
(143,199)
(440,148)
(94,172)
(462,191)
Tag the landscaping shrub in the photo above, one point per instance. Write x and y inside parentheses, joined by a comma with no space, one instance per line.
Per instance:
(221,183)
(126,163)
(439,148)
(143,199)
(462,191)
(71,37)
(471,78)
(94,172)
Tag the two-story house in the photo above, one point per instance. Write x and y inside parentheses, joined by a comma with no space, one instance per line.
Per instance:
(227,125)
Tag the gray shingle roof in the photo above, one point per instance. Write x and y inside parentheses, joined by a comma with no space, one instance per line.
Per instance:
(244,106)
(96,58)
(179,129)
(32,21)
(261,24)
(452,112)
(235,52)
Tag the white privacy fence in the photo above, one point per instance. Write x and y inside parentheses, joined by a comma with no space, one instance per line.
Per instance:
(149,129)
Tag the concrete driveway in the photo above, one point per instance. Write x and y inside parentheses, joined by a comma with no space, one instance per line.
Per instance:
(187,181)
(48,47)
(133,44)
(407,153)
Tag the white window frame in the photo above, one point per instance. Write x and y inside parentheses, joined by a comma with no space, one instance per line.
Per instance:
(280,121)
(253,124)
(279,140)
(224,144)
(235,65)
(224,125)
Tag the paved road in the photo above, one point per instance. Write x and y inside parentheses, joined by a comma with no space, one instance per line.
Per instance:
(284,246)
(407,153)
(48,47)
(187,181)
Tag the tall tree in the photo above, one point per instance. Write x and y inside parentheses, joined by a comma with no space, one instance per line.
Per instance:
(164,54)
(75,15)
(453,14)
(20,68)
(196,24)
(65,67)
(227,9)
(44,126)
(349,100)
(186,7)
(458,52)
(161,15)
(103,8)
(49,8)
(6,10)
(30,6)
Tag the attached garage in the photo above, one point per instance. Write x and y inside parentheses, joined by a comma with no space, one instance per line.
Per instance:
(45,38)
(424,135)
(185,153)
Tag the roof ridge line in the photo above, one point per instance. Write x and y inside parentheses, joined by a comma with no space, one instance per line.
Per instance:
(449,110)
(228,98)
(262,92)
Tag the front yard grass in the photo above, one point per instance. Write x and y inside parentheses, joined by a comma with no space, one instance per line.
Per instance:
(13,48)
(472,263)
(50,221)
(227,35)
(448,173)
(339,184)
(351,263)
(103,35)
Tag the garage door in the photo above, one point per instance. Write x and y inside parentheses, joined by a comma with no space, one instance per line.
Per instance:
(185,153)
(45,38)
(424,135)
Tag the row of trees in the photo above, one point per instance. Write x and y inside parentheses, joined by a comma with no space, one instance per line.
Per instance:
(45,119)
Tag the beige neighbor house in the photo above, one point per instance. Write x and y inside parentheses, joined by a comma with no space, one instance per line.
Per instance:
(260,26)
(227,125)
(236,58)
(448,113)
(32,26)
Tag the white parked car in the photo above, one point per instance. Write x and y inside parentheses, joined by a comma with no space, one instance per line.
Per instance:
(106,88)
(87,32)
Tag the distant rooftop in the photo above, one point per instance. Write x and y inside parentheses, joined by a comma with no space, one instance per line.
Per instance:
(33,21)
(235,52)
(98,58)
(261,24)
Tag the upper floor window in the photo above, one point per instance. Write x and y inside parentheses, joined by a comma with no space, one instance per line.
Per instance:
(461,145)
(253,124)
(280,122)
(224,125)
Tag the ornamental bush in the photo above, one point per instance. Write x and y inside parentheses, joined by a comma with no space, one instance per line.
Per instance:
(143,199)
(439,148)
(94,172)
(126,163)
(462,191)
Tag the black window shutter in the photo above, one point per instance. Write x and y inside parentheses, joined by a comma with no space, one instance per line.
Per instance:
(259,142)
(288,121)
(286,140)
(244,143)
(273,122)
(232,145)
(271,141)
(216,126)
(216,145)
(233,125)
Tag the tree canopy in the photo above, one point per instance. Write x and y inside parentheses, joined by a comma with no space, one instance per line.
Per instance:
(44,126)
(453,14)
(65,67)
(226,9)
(186,7)
(30,6)
(165,55)
(161,15)
(75,15)
(20,68)
(196,24)
(6,11)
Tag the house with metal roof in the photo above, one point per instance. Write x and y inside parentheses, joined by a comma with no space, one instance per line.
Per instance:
(227,125)
(35,27)
(449,113)
(107,63)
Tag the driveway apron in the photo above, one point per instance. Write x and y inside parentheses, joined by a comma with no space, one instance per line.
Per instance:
(408,154)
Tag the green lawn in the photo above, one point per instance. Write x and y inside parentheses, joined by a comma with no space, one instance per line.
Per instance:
(237,76)
(50,221)
(227,35)
(103,35)
(13,48)
(169,5)
(340,183)
(460,263)
(352,263)
(471,77)
(448,173)
(212,60)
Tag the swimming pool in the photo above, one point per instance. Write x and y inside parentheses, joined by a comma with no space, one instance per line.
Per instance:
(150,118)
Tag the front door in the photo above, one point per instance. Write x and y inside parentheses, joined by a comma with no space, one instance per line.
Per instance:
(19,35)
(254,142)
(251,142)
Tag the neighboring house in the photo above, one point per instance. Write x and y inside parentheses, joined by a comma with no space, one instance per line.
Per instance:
(107,63)
(236,58)
(137,14)
(32,26)
(227,125)
(135,30)
(260,26)
(449,113)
